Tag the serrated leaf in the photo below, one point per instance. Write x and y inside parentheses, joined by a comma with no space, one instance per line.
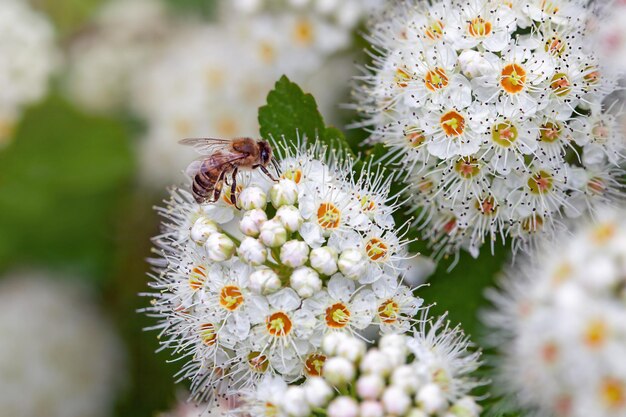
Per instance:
(291,113)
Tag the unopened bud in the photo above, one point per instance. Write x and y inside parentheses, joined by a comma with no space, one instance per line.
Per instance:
(273,234)
(285,193)
(219,247)
(324,260)
(252,198)
(264,281)
(305,281)
(294,253)
(352,264)
(251,222)
(201,230)
(252,252)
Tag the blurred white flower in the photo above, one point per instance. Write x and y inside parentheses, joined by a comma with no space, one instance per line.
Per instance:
(432,376)
(559,323)
(29,57)
(59,356)
(113,49)
(488,107)
(240,307)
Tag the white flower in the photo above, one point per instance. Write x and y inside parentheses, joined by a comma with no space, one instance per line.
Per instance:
(29,59)
(343,407)
(258,295)
(558,309)
(396,401)
(476,100)
(59,348)
(294,403)
(318,392)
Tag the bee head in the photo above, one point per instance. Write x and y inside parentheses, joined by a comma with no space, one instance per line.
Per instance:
(266,152)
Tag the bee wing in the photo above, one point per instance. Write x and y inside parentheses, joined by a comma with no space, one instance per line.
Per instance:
(215,160)
(207,146)
(193,168)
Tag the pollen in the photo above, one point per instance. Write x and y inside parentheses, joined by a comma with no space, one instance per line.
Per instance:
(231,297)
(479,27)
(197,277)
(434,30)
(504,134)
(314,364)
(452,123)
(540,183)
(389,311)
(328,216)
(376,249)
(436,79)
(279,324)
(294,175)
(258,362)
(513,78)
(208,335)
(613,393)
(337,316)
(402,78)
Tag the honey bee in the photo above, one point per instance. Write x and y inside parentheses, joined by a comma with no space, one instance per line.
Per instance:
(223,159)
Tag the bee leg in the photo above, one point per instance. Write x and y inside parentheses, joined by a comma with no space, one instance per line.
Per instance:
(217,188)
(269,174)
(233,189)
(276,166)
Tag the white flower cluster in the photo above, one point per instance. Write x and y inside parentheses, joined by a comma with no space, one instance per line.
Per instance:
(59,357)
(243,293)
(419,375)
(104,57)
(211,79)
(494,111)
(29,57)
(560,323)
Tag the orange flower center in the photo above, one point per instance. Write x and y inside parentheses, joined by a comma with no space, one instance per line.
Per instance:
(328,216)
(596,334)
(487,206)
(337,316)
(389,311)
(303,32)
(197,277)
(231,297)
(402,78)
(294,175)
(592,75)
(258,362)
(434,30)
(436,79)
(613,393)
(479,27)
(314,364)
(452,123)
(550,352)
(596,186)
(376,249)
(367,204)
(450,226)
(278,324)
(513,78)
(208,334)
(226,193)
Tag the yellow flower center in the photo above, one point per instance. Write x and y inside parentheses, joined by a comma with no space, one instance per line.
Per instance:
(402,78)
(337,316)
(479,27)
(504,134)
(540,183)
(258,362)
(414,137)
(467,167)
(197,277)
(314,364)
(452,123)
(513,78)
(231,297)
(595,334)
(208,334)
(436,79)
(532,224)
(550,132)
(561,85)
(376,249)
(294,175)
(367,203)
(556,46)
(303,32)
(328,216)
(389,311)
(434,30)
(613,393)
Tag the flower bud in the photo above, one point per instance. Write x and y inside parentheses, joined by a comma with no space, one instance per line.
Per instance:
(294,253)
(473,64)
(396,401)
(294,403)
(372,409)
(264,281)
(405,378)
(331,342)
(395,356)
(388,341)
(317,392)
(273,234)
(339,371)
(201,230)
(370,386)
(250,224)
(352,264)
(305,281)
(465,407)
(352,349)
(343,407)
(285,193)
(290,218)
(416,412)
(324,260)
(252,198)
(375,362)
(431,398)
(219,247)
(252,252)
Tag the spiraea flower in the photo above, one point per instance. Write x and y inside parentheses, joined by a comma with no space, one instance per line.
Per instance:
(493,111)
(243,294)
(424,373)
(29,53)
(107,54)
(60,356)
(559,323)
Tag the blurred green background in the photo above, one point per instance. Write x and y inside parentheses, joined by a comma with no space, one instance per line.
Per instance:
(70,203)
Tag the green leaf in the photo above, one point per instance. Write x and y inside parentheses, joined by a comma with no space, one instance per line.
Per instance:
(293,114)
(60,185)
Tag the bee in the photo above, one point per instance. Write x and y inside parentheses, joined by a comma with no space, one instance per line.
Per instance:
(222,161)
